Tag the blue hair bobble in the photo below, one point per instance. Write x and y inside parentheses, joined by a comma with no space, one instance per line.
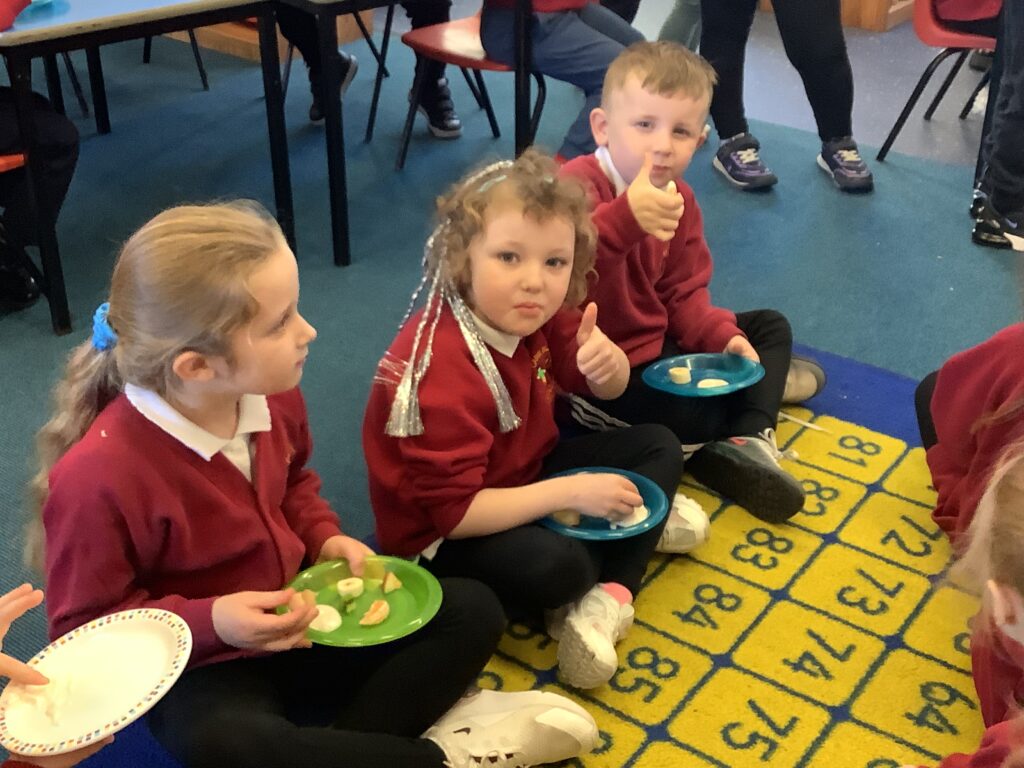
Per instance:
(103,336)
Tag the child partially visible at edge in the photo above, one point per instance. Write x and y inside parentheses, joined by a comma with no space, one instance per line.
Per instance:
(174,475)
(992,566)
(654,268)
(460,438)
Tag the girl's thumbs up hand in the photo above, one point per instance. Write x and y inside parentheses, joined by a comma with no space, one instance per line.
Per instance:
(597,358)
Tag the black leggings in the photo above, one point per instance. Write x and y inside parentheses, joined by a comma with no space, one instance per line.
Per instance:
(532,568)
(923,405)
(812,35)
(704,419)
(334,707)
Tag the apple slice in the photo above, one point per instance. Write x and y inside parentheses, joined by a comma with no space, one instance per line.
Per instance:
(391,583)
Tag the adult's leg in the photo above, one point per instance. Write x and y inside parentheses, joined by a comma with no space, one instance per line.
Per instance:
(995,77)
(812,34)
(573,46)
(725,27)
(756,408)
(624,9)
(1005,174)
(299,29)
(923,406)
(682,25)
(57,145)
(436,101)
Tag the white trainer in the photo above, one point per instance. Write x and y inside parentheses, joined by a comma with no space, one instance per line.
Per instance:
(513,730)
(687,527)
(586,650)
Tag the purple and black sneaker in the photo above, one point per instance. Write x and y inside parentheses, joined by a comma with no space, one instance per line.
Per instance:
(841,160)
(738,160)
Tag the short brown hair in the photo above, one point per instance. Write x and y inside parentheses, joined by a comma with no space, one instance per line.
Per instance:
(663,67)
(543,195)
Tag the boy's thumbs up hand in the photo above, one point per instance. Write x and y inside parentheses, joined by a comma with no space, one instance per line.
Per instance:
(597,357)
(658,211)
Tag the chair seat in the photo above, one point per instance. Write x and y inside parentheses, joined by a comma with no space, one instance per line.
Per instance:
(453,42)
(930,31)
(11,162)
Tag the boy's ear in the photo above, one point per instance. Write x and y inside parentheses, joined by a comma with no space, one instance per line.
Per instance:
(599,126)
(192,366)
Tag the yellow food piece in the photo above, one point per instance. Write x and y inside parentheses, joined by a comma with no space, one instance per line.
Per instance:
(308,596)
(376,613)
(391,583)
(711,383)
(680,375)
(568,517)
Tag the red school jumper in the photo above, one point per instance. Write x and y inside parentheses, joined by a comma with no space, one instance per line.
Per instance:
(421,486)
(647,289)
(135,519)
(971,385)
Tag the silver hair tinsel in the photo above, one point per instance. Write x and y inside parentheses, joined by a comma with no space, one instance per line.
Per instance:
(404,419)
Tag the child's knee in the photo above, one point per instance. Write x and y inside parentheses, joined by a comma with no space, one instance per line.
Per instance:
(472,606)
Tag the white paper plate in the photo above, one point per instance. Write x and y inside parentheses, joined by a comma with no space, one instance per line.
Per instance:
(103,676)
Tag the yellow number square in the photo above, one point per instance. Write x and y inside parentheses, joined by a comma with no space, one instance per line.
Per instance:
(531,646)
(923,702)
(617,741)
(849,450)
(654,674)
(829,498)
(786,429)
(941,630)
(662,754)
(898,530)
(809,653)
(912,479)
(765,554)
(700,605)
(504,675)
(742,721)
(850,745)
(861,589)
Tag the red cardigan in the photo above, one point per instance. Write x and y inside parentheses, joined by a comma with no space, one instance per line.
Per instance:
(421,486)
(648,289)
(996,745)
(137,519)
(970,386)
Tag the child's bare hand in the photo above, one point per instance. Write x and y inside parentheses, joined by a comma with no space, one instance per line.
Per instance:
(13,605)
(68,759)
(603,494)
(657,211)
(345,548)
(596,356)
(246,620)
(738,345)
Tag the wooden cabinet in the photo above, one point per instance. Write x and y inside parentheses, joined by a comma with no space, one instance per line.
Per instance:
(877,15)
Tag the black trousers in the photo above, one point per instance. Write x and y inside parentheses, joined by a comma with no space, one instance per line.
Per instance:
(1001,158)
(923,406)
(532,568)
(625,9)
(57,148)
(812,35)
(334,707)
(704,419)
(299,28)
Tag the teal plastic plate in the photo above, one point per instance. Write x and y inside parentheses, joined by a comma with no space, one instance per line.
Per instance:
(736,371)
(594,528)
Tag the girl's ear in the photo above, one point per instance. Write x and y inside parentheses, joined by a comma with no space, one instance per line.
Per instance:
(1005,603)
(191,366)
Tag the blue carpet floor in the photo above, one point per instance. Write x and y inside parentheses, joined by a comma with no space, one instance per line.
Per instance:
(888,279)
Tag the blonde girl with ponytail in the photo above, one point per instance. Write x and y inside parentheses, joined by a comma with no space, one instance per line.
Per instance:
(173,475)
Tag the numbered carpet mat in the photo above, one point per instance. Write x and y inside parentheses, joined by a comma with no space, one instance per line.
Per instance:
(833,641)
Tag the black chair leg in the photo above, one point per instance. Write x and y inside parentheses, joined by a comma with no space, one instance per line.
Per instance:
(472,86)
(912,101)
(417,91)
(199,59)
(378,55)
(75,84)
(945,85)
(538,105)
(378,81)
(974,95)
(287,70)
(53,87)
(147,49)
(486,100)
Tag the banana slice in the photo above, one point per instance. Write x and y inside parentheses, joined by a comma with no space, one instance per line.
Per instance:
(350,589)
(327,619)
(711,383)
(680,375)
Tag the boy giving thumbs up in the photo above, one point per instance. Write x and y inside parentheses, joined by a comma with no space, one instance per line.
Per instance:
(654,271)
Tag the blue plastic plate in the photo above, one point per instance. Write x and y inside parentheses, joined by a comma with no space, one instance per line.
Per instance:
(597,527)
(738,372)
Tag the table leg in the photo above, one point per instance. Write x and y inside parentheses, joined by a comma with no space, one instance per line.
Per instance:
(275,124)
(19,69)
(524,9)
(330,62)
(53,86)
(99,89)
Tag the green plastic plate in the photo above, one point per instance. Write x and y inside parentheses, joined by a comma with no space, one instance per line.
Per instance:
(412,606)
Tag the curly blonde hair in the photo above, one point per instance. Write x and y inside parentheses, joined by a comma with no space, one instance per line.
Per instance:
(533,181)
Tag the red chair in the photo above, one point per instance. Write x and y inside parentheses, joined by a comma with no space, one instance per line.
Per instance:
(458,43)
(931,32)
(11,162)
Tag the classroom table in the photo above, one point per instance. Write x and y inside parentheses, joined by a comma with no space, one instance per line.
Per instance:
(65,25)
